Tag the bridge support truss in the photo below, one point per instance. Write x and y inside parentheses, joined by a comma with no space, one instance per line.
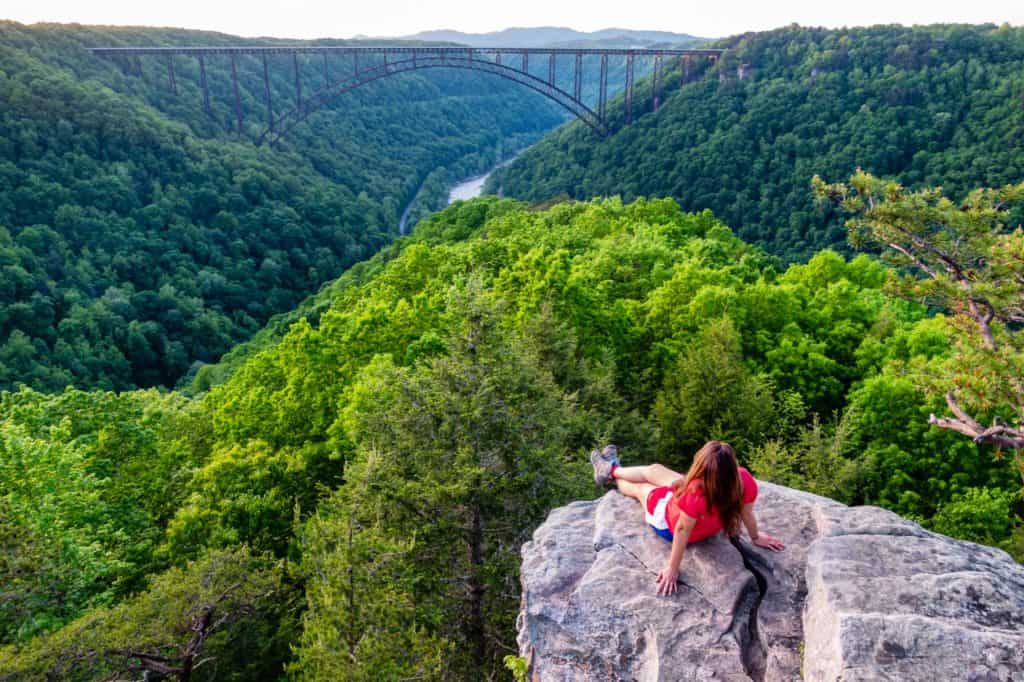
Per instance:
(371,63)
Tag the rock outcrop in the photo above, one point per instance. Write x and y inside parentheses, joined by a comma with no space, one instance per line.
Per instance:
(858,594)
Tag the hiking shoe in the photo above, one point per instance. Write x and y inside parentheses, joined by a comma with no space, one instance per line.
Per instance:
(604,461)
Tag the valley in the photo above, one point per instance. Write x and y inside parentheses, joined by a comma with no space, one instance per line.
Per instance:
(139,175)
(924,105)
(325,409)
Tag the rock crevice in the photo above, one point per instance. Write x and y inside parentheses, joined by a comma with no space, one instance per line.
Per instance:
(753,654)
(859,593)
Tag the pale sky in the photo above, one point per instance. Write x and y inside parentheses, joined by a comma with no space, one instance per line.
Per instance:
(343,19)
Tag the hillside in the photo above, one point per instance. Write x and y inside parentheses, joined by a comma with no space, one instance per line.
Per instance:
(933,105)
(141,237)
(551,36)
(352,499)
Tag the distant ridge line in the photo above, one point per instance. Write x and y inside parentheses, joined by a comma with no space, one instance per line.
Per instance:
(376,49)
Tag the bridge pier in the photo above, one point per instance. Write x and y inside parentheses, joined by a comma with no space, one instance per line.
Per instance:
(124,64)
(203,85)
(266,88)
(577,83)
(551,69)
(602,97)
(170,74)
(629,88)
(298,81)
(327,74)
(238,97)
(656,83)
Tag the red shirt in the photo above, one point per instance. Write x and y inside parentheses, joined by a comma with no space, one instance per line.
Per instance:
(695,504)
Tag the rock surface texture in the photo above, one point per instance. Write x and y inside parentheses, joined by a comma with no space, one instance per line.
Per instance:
(858,594)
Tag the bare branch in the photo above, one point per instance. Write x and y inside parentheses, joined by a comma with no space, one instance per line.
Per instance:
(157,664)
(960,414)
(140,655)
(991,314)
(1001,430)
(952,424)
(983,321)
(917,261)
(1001,436)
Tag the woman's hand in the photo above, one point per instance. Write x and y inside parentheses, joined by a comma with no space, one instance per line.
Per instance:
(769,542)
(667,581)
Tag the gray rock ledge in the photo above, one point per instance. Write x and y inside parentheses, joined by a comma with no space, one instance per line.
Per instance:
(858,594)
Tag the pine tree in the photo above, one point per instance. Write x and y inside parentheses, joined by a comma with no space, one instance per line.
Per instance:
(459,456)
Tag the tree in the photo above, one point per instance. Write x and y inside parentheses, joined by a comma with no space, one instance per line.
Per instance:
(459,457)
(191,619)
(961,258)
(814,461)
(709,394)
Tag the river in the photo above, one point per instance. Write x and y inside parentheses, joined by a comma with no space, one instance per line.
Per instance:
(465,189)
(474,186)
(469,188)
(403,222)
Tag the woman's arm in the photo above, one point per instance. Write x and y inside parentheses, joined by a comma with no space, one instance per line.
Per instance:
(758,538)
(680,536)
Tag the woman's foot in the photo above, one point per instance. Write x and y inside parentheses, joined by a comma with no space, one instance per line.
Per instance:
(611,453)
(604,462)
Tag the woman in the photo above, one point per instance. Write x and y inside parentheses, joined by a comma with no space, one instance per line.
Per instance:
(715,495)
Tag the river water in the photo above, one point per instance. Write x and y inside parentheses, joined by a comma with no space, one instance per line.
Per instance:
(466,189)
(469,188)
(474,186)
(403,222)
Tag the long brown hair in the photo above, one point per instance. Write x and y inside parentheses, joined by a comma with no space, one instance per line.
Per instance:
(714,467)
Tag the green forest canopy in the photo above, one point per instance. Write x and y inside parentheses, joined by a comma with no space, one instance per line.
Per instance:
(926,105)
(382,467)
(344,497)
(140,237)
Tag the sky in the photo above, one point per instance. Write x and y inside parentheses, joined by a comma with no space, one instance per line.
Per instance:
(345,18)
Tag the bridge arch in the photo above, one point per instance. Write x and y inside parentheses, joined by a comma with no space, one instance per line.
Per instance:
(396,59)
(459,60)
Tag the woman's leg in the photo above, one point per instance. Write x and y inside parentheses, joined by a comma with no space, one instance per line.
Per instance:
(638,491)
(638,482)
(654,474)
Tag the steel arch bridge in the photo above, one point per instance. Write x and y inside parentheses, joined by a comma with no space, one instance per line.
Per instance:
(372,63)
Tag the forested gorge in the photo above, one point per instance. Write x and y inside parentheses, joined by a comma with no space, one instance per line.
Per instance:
(340,487)
(376,473)
(140,236)
(928,106)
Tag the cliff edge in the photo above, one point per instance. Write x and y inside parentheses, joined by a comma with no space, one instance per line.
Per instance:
(859,594)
